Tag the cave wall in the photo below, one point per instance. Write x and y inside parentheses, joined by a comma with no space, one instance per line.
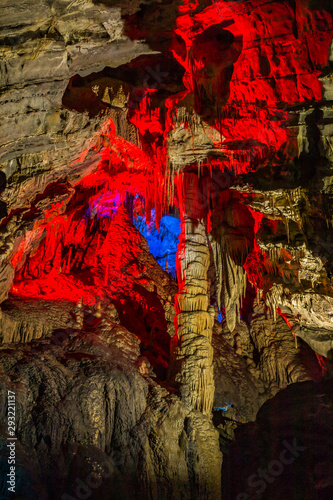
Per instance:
(219,113)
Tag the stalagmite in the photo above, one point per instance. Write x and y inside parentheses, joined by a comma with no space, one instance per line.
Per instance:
(191,350)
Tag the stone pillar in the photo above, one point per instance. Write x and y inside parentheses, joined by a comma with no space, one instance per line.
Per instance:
(191,347)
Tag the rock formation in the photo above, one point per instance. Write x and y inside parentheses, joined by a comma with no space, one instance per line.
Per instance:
(193,352)
(119,118)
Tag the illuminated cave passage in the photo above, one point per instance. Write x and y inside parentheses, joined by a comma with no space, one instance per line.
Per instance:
(166,247)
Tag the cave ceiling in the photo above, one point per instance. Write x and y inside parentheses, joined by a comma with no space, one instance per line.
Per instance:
(167,167)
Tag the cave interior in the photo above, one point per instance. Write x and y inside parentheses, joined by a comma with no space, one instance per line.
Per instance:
(166,250)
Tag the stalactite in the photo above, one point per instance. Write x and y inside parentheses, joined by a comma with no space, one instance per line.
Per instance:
(274,298)
(231,281)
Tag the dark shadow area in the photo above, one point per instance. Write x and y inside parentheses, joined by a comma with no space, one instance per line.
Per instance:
(287,453)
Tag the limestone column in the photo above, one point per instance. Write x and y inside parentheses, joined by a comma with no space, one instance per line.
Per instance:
(191,347)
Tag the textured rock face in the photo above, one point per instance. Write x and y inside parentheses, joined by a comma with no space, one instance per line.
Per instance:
(253,363)
(43,46)
(82,402)
(219,113)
